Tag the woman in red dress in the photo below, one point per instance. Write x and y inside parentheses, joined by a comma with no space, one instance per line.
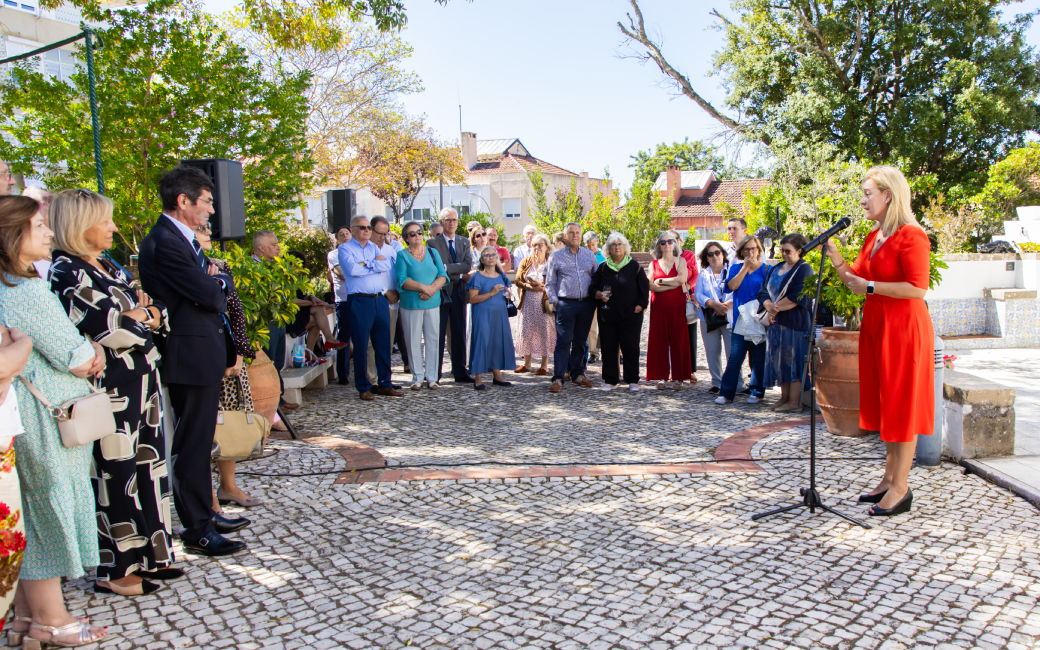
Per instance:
(896,341)
(669,343)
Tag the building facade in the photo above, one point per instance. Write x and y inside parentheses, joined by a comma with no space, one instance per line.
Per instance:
(693,195)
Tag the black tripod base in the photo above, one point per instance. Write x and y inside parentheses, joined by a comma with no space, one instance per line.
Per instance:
(810,500)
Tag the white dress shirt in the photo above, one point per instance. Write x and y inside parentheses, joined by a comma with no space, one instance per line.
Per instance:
(339,287)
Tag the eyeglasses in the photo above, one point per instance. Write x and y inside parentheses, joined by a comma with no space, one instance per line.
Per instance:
(617,243)
(788,251)
(490,256)
(204,230)
(714,253)
(362,227)
(206,201)
(665,241)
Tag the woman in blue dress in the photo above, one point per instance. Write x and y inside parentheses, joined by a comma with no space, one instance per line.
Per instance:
(491,339)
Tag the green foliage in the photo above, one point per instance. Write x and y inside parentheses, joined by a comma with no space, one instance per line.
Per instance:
(644,216)
(550,215)
(1011,183)
(759,208)
(1029,247)
(170,87)
(315,245)
(946,86)
(266,289)
(686,155)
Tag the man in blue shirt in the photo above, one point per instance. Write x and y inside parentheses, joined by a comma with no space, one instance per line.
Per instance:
(567,283)
(365,272)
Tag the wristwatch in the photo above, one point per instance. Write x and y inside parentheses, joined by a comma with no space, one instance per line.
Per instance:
(870,288)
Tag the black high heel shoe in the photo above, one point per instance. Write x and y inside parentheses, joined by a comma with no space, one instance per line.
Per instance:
(898,509)
(872,498)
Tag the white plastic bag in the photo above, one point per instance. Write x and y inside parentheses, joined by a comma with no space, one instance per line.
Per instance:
(748,326)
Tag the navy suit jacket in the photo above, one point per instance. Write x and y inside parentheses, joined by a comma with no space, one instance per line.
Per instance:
(195,351)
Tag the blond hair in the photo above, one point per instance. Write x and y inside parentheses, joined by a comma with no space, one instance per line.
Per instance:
(899,213)
(74,212)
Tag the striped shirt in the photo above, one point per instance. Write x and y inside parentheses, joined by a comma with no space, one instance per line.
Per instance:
(569,274)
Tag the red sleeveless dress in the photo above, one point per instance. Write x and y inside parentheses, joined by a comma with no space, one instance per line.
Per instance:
(668,347)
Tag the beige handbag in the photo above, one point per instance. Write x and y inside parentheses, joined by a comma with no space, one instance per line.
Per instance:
(241,432)
(82,420)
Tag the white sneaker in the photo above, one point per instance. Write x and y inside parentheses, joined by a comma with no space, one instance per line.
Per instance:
(634,388)
(753,399)
(721,400)
(605,388)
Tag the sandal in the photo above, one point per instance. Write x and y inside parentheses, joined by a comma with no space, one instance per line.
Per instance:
(248,502)
(81,629)
(112,588)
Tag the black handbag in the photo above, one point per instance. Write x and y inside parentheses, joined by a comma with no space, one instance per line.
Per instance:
(713,321)
(510,305)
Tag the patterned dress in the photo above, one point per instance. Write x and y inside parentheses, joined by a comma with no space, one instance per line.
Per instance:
(12,530)
(537,329)
(60,527)
(129,471)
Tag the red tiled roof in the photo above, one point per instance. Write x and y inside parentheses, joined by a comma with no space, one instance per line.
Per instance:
(699,211)
(511,164)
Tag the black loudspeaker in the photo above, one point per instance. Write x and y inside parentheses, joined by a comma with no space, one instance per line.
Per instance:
(229,217)
(340,208)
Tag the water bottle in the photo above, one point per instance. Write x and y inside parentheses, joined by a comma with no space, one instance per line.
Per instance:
(297,355)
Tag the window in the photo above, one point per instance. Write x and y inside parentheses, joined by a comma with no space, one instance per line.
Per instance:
(463,210)
(511,208)
(59,64)
(418,214)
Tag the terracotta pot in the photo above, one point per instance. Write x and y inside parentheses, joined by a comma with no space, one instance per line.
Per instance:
(264,385)
(837,381)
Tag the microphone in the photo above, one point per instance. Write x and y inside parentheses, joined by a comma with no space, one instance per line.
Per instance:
(841,224)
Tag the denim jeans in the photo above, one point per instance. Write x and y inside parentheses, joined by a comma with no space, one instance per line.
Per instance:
(573,320)
(740,348)
(276,350)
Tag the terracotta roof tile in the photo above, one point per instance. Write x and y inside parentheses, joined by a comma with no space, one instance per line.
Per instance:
(699,211)
(510,164)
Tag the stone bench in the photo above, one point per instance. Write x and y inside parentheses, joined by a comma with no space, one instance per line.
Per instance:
(296,379)
(979,417)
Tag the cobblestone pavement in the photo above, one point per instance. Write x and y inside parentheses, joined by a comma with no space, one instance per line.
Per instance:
(629,562)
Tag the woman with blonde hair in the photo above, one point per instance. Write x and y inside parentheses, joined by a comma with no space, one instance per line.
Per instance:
(61,530)
(477,241)
(745,281)
(130,483)
(668,345)
(896,340)
(537,325)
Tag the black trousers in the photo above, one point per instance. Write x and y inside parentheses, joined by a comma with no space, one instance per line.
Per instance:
(622,335)
(195,413)
(456,314)
(343,336)
(692,329)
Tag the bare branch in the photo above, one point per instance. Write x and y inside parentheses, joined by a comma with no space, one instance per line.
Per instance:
(636,31)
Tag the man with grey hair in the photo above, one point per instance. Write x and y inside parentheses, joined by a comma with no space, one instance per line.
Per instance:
(454,252)
(265,249)
(6,179)
(567,281)
(524,249)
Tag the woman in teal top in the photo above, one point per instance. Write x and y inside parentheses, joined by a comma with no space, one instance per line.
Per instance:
(420,275)
(61,531)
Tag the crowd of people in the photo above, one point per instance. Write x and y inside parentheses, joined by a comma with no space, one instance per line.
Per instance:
(74,323)
(576,304)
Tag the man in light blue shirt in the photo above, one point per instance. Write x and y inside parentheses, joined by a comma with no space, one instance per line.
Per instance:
(381,238)
(567,281)
(365,269)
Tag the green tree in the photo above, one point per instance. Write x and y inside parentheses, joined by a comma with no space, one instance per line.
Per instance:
(1011,183)
(686,155)
(644,216)
(168,89)
(551,214)
(944,86)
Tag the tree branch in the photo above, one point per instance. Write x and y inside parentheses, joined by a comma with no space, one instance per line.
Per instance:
(636,31)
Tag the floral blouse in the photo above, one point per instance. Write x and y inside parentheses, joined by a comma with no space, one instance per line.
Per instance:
(95,302)
(236,315)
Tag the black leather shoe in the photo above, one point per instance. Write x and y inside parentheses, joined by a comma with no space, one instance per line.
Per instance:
(872,498)
(714,390)
(214,545)
(395,386)
(468,379)
(168,573)
(898,509)
(224,525)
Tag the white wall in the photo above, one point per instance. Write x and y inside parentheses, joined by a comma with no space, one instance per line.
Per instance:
(967,279)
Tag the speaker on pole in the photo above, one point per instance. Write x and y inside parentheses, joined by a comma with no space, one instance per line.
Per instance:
(341,208)
(229,217)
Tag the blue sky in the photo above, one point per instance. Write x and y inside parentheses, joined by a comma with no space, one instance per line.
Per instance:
(550,73)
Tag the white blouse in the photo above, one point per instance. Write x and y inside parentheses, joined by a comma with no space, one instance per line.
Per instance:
(10,419)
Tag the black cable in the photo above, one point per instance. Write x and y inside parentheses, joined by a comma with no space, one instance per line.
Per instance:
(569,464)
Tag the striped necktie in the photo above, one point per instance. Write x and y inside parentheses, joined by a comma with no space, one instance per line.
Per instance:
(198,252)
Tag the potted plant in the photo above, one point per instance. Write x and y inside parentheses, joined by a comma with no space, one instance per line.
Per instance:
(267,291)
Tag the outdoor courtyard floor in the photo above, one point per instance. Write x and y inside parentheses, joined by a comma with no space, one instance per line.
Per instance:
(659,555)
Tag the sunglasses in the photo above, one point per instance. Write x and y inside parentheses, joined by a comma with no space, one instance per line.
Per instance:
(413,233)
(480,234)
(788,251)
(362,227)
(666,241)
(714,253)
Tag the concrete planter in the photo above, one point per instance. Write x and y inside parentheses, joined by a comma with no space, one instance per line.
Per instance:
(837,381)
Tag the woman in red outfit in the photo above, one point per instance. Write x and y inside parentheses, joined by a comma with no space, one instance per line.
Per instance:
(669,343)
(896,341)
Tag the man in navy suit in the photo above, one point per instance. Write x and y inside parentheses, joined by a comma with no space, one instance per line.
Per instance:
(195,355)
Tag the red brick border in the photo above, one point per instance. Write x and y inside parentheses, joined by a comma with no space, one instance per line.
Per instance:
(736,446)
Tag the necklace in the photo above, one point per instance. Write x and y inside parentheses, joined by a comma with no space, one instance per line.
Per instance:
(420,256)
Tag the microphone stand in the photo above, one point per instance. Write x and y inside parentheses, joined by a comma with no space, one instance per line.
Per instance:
(811,496)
